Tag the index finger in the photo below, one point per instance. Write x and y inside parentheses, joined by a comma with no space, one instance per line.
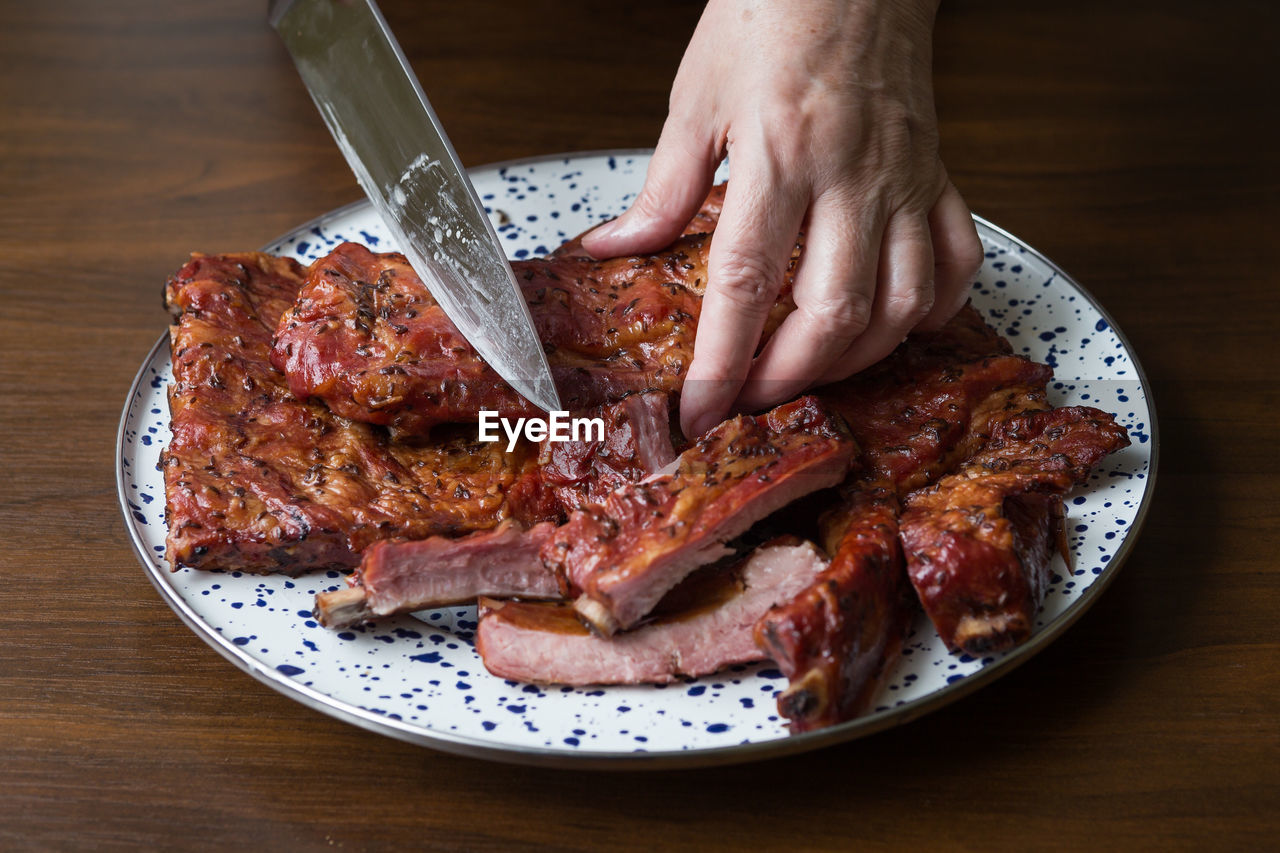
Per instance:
(749,254)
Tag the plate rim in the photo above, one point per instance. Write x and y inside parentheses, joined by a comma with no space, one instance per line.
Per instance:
(467,745)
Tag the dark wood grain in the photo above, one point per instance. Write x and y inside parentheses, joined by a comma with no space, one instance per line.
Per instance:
(1133,143)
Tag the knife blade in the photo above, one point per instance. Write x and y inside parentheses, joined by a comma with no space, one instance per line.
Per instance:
(382,121)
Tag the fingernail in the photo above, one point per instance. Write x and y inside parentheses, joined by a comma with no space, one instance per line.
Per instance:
(706,422)
(607,229)
(623,227)
(704,403)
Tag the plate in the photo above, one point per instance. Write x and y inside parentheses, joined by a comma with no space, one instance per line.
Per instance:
(418,678)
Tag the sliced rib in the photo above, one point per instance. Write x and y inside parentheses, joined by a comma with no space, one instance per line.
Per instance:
(978,543)
(401,577)
(838,638)
(927,407)
(705,625)
(627,552)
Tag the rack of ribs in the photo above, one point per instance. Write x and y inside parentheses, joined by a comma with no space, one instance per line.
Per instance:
(325,417)
(259,481)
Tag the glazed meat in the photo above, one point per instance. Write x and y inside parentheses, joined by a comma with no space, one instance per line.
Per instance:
(400,576)
(366,337)
(637,443)
(978,542)
(1071,440)
(627,552)
(927,406)
(840,636)
(916,415)
(327,416)
(979,551)
(403,576)
(257,481)
(702,626)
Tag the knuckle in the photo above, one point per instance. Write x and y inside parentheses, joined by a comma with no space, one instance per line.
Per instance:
(906,308)
(791,135)
(846,315)
(897,125)
(748,280)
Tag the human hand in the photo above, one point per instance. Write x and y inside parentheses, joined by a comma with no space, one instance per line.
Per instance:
(826,111)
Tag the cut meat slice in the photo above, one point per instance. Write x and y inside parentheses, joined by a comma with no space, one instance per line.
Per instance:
(257,481)
(703,626)
(1071,439)
(980,576)
(400,577)
(627,552)
(837,639)
(978,543)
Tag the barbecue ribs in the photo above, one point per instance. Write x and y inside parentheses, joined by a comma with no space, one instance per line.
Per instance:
(400,576)
(839,637)
(323,413)
(702,626)
(625,553)
(258,481)
(978,542)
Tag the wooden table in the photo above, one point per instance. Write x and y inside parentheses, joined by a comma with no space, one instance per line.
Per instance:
(1133,143)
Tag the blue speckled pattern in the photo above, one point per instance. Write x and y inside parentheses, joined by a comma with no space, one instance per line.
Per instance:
(419,678)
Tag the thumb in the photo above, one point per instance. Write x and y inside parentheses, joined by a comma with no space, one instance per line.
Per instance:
(677,181)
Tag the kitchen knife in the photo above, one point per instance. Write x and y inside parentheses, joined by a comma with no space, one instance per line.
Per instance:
(381,119)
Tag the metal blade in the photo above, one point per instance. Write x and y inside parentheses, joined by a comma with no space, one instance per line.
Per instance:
(382,121)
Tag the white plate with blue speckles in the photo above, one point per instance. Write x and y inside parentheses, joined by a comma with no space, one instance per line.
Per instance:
(419,679)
